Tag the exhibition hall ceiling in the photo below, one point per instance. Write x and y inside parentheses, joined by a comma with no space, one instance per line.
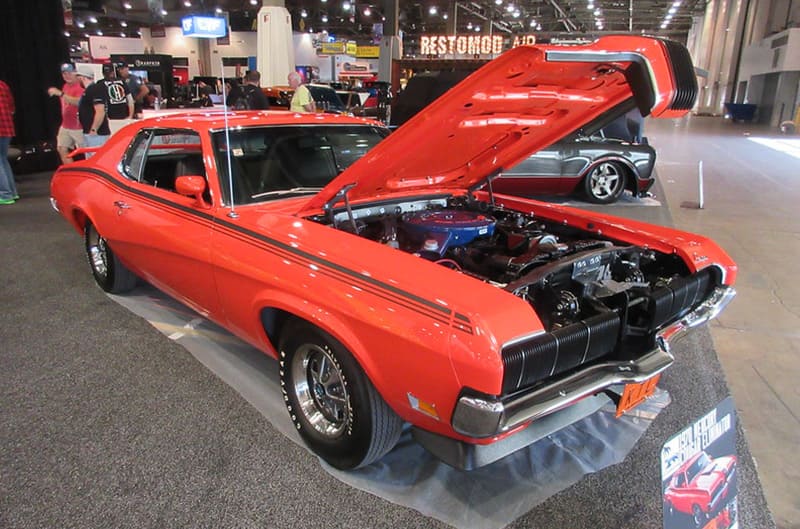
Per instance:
(361,19)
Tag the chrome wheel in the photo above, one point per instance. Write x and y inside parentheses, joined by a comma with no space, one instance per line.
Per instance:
(98,253)
(320,390)
(107,269)
(605,183)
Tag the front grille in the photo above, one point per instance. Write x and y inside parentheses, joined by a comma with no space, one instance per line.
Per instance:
(676,299)
(561,350)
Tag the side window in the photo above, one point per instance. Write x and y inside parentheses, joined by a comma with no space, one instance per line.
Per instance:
(132,164)
(157,157)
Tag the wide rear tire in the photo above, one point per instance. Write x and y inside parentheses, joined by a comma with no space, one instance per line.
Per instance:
(335,408)
(108,271)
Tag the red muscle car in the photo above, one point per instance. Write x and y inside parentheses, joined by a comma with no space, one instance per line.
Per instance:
(701,486)
(391,285)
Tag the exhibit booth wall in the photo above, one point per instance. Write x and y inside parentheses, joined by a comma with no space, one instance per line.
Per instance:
(37,27)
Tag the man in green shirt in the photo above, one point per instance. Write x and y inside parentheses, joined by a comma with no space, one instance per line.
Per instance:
(301,100)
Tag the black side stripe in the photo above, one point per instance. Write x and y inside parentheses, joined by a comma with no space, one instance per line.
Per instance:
(374,286)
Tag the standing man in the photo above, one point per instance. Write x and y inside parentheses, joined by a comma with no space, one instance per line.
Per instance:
(118,101)
(136,88)
(252,93)
(8,189)
(301,100)
(92,109)
(70,134)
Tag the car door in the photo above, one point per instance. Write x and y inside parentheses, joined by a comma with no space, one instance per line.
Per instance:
(538,174)
(163,236)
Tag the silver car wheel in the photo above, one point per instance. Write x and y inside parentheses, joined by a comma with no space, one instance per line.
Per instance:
(98,253)
(605,181)
(320,390)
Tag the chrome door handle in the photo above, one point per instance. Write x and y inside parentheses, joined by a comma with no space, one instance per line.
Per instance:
(121,205)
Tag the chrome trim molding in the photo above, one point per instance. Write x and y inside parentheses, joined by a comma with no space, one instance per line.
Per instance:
(484,417)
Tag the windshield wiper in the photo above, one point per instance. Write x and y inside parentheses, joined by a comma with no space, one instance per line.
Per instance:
(292,191)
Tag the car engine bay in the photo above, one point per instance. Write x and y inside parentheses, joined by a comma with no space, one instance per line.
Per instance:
(566,274)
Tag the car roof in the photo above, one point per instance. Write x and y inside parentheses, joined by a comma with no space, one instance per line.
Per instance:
(216,119)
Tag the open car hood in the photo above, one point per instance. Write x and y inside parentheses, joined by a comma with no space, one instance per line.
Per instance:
(524,100)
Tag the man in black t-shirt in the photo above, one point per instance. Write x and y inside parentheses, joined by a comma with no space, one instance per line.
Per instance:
(253,97)
(118,100)
(92,109)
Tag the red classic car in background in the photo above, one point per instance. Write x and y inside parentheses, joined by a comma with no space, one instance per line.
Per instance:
(392,285)
(701,487)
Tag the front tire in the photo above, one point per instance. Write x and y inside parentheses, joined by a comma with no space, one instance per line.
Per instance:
(699,517)
(336,409)
(108,271)
(605,183)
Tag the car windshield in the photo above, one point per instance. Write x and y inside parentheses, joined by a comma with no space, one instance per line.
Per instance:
(702,462)
(269,163)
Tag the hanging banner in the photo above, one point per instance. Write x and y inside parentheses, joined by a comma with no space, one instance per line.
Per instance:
(368,52)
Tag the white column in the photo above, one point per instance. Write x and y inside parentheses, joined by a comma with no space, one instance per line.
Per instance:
(275,48)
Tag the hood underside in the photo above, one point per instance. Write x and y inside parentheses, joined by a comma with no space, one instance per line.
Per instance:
(522,101)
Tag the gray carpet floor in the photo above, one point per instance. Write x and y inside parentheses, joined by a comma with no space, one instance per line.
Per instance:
(104,422)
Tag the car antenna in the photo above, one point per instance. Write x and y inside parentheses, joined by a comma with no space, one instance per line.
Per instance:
(232,213)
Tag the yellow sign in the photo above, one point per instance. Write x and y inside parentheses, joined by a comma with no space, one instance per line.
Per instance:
(331,48)
(351,48)
(460,44)
(368,52)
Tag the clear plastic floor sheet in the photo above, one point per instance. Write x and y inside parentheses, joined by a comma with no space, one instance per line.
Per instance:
(490,497)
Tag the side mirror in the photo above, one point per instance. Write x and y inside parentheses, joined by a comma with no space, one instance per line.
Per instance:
(192,186)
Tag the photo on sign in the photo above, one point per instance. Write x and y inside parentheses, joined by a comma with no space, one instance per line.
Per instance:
(698,473)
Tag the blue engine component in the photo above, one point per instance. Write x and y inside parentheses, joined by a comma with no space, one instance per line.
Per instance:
(436,231)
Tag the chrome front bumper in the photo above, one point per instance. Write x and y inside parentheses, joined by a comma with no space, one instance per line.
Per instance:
(480,417)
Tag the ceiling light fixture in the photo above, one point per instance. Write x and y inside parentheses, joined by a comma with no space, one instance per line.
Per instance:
(93,20)
(253,2)
(123,24)
(469,25)
(433,10)
(324,18)
(498,2)
(66,33)
(218,10)
(533,23)
(597,12)
(477,29)
(100,33)
(304,13)
(516,14)
(80,24)
(444,16)
(510,8)
(663,25)
(346,6)
(590,6)
(672,10)
(122,35)
(127,5)
(668,17)
(367,12)
(187,3)
(164,12)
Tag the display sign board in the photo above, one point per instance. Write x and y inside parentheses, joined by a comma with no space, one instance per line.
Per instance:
(698,473)
(331,48)
(460,44)
(368,52)
(351,48)
(204,27)
(470,45)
